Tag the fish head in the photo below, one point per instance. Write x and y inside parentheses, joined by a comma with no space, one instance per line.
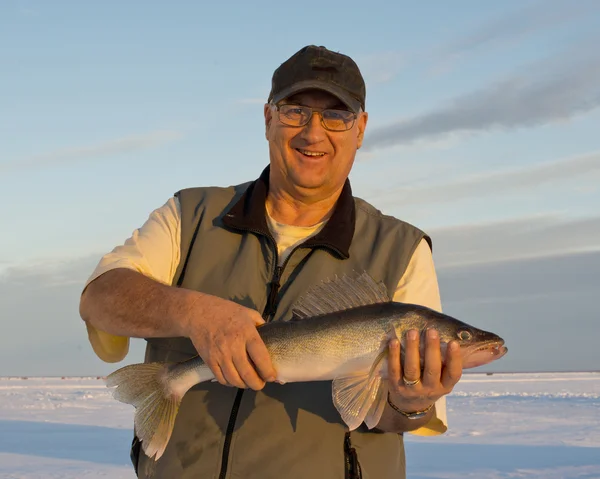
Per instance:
(477,346)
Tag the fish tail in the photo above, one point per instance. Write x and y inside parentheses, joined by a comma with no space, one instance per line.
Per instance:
(147,387)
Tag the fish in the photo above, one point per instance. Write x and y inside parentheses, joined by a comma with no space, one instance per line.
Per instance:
(339,332)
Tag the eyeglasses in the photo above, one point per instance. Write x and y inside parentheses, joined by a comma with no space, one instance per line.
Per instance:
(331,119)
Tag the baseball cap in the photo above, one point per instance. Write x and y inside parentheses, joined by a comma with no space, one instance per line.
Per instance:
(314,67)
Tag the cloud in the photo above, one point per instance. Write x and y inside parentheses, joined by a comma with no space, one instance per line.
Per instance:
(381,67)
(545,308)
(499,181)
(514,239)
(532,280)
(553,90)
(540,306)
(39,315)
(524,278)
(509,29)
(50,272)
(539,16)
(126,144)
(26,8)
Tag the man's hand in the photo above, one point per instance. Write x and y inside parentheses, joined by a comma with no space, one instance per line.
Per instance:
(224,334)
(126,303)
(435,382)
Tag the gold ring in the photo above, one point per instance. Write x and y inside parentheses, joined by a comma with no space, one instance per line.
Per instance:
(411,383)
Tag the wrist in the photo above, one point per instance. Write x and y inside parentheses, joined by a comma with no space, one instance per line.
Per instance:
(412,412)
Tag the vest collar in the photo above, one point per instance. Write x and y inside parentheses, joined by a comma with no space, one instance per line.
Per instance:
(249,214)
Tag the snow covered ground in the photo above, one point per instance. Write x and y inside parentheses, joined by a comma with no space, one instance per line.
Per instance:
(521,426)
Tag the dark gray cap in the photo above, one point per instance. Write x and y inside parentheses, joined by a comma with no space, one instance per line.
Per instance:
(315,67)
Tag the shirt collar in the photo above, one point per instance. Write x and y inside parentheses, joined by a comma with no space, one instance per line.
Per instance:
(249,214)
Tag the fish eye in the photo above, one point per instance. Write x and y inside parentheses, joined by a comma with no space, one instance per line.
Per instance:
(464,335)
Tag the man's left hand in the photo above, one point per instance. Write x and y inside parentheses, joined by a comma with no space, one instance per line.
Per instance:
(436,380)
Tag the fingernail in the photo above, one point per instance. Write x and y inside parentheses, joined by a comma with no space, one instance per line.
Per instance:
(412,335)
(453,346)
(394,343)
(432,333)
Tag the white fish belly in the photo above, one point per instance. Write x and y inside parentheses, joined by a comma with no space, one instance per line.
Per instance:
(319,369)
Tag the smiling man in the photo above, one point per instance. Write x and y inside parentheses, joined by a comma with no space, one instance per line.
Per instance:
(214,263)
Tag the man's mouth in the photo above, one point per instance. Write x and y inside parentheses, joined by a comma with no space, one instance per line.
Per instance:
(312,154)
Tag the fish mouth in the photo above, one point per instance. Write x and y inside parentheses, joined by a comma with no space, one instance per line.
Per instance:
(484,353)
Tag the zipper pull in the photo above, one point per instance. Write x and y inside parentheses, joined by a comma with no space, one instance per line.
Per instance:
(273,290)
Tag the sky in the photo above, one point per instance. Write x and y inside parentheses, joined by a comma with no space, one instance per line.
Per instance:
(483,131)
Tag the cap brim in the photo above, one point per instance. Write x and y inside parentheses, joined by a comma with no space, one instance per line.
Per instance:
(336,91)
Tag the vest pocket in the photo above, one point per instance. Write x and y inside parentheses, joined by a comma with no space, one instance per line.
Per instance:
(351,464)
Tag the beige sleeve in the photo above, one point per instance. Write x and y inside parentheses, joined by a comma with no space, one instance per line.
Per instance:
(153,250)
(419,285)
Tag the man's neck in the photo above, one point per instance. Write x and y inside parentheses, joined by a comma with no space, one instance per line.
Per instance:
(287,209)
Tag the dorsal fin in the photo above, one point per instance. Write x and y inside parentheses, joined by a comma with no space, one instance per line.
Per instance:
(340,293)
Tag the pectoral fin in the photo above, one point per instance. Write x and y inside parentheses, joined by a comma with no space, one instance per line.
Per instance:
(374,415)
(361,397)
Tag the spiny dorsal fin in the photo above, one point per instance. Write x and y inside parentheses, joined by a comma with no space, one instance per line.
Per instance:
(339,294)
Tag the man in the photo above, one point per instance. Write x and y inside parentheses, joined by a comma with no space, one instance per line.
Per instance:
(214,263)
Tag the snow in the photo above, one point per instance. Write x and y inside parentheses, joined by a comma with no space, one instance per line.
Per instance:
(543,425)
(502,426)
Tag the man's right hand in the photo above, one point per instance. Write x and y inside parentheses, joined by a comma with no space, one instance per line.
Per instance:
(224,334)
(123,302)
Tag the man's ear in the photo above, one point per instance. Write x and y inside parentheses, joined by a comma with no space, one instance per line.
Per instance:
(362,126)
(268,112)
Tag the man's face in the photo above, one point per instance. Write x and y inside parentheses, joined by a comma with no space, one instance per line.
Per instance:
(293,168)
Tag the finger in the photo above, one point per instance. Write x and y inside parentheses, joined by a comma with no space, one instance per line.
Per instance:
(210,358)
(453,370)
(260,357)
(216,370)
(231,374)
(433,359)
(394,363)
(246,371)
(412,360)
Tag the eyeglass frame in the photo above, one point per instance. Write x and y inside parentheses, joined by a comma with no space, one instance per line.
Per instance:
(312,112)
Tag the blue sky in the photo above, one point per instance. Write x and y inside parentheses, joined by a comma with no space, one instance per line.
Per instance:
(484,130)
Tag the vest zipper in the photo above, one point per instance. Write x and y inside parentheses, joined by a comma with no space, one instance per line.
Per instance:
(267,315)
(274,286)
(271,299)
(229,433)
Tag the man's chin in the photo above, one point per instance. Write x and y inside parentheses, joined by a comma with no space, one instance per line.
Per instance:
(307,183)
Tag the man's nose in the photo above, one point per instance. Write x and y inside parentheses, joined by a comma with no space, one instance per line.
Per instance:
(314,130)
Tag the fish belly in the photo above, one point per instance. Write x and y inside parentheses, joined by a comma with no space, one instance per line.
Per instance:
(321,368)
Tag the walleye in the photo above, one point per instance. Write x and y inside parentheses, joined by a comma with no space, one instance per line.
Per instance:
(339,332)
